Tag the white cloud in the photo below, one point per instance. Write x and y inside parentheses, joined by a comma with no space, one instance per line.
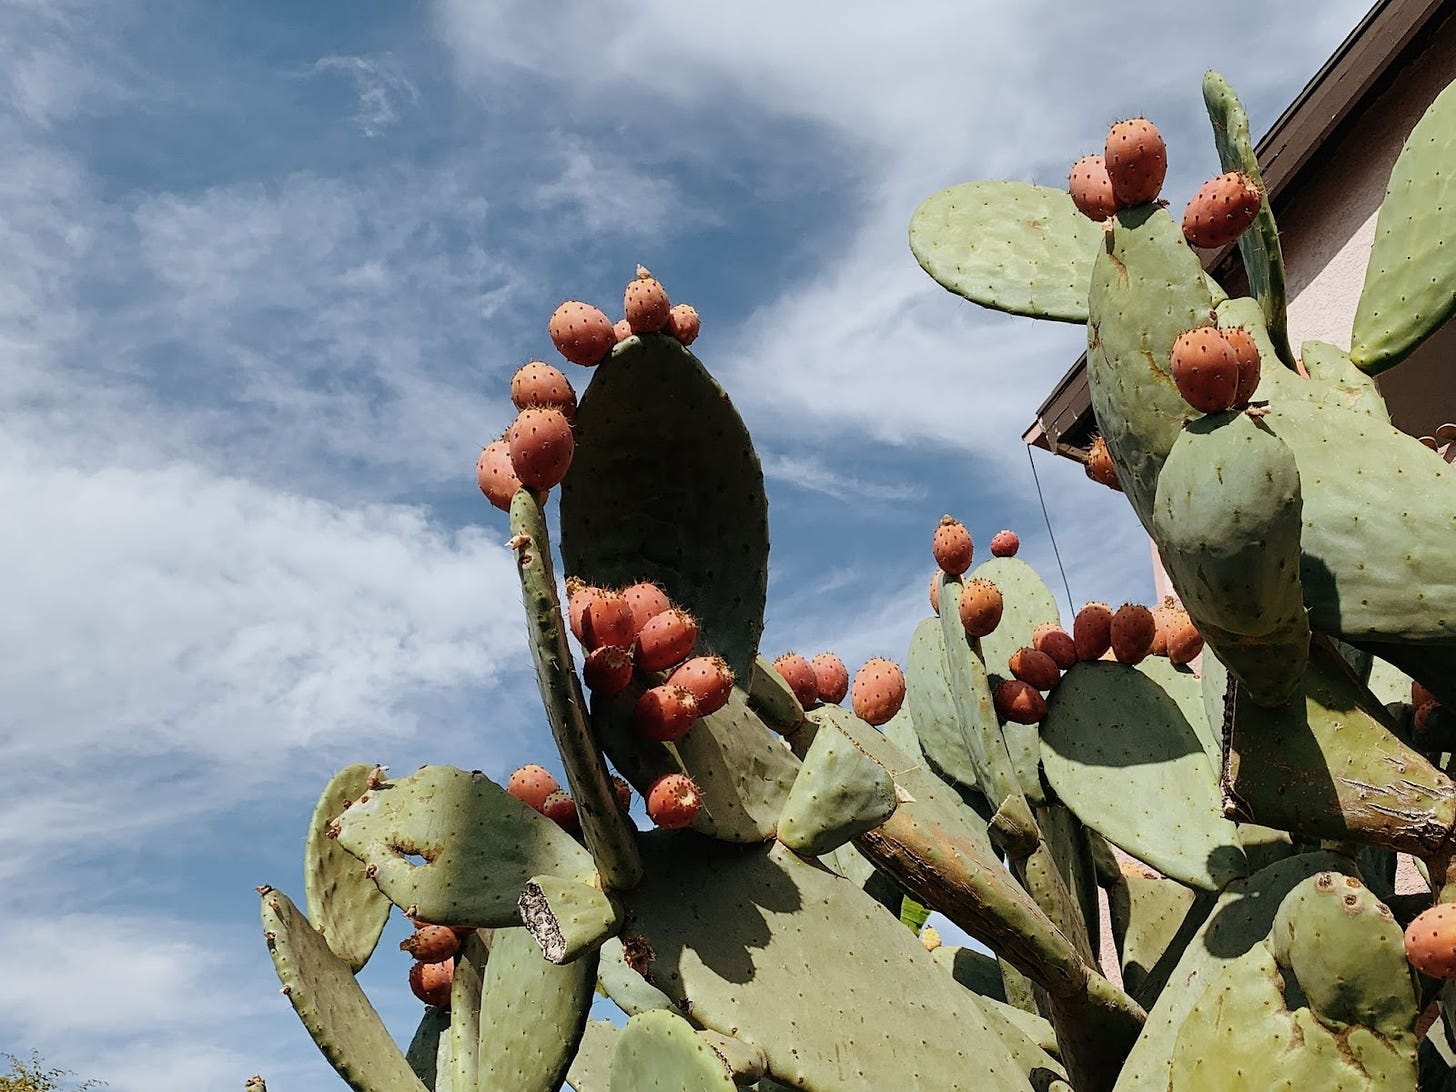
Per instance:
(810,473)
(381,86)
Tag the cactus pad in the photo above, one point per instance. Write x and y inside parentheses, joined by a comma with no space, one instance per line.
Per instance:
(343,902)
(660,1052)
(839,794)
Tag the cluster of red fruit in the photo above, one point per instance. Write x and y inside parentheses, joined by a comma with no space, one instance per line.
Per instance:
(536,450)
(434,948)
(1131,171)
(1215,370)
(876,694)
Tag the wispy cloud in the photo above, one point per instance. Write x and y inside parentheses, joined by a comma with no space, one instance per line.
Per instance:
(381,85)
(811,473)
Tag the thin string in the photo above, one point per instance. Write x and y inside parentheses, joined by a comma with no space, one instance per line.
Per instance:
(1071,603)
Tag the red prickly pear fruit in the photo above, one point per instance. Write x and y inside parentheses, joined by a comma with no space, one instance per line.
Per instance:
(1205,370)
(579,595)
(1005,544)
(581,333)
(1423,713)
(647,601)
(683,323)
(607,670)
(673,801)
(623,792)
(541,446)
(1056,643)
(796,671)
(1091,188)
(1099,465)
(1430,941)
(539,384)
(622,330)
(1137,161)
(645,303)
(1019,702)
(1221,210)
(952,546)
(1092,631)
(1035,668)
(878,691)
(981,607)
(1184,641)
(831,677)
(532,785)
(560,808)
(431,943)
(607,621)
(935,591)
(665,713)
(666,639)
(1246,356)
(496,476)
(430,982)
(1132,632)
(1163,615)
(1420,695)
(709,678)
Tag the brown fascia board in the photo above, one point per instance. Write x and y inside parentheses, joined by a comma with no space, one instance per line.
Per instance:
(1359,70)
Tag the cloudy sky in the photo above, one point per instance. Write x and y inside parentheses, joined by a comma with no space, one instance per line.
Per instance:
(265,273)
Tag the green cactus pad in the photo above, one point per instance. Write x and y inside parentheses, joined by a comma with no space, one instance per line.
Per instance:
(1147,288)
(1157,915)
(1410,282)
(1067,845)
(343,902)
(1343,384)
(428,1053)
(476,846)
(930,699)
(902,731)
(1028,605)
(322,990)
(628,990)
(770,697)
(568,918)
(1186,688)
(466,987)
(1259,245)
(532,1014)
(973,969)
(731,931)
(1240,921)
(1117,749)
(745,1063)
(1227,522)
(1347,953)
(1011,246)
(1328,765)
(665,486)
(743,770)
(839,794)
(609,833)
(1031,1038)
(660,1052)
(591,1069)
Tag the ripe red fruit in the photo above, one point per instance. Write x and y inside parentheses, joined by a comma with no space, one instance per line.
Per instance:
(579,595)
(1184,640)
(645,303)
(607,620)
(1420,695)
(795,671)
(560,808)
(673,801)
(831,676)
(622,330)
(935,591)
(1099,465)
(878,691)
(1056,643)
(1131,633)
(1205,370)
(581,333)
(532,785)
(1035,668)
(647,601)
(541,446)
(1092,631)
(1430,941)
(1018,702)
(623,792)
(431,943)
(1162,618)
(981,607)
(666,639)
(1005,544)
(1246,356)
(709,678)
(1423,714)
(539,384)
(1091,188)
(607,670)
(951,544)
(430,982)
(1137,161)
(496,476)
(1221,210)
(665,713)
(683,323)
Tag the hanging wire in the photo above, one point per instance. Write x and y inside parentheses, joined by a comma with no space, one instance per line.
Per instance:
(1071,603)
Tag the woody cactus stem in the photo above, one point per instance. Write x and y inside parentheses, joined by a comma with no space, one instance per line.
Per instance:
(609,836)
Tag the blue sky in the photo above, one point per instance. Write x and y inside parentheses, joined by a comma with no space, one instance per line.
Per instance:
(267,271)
